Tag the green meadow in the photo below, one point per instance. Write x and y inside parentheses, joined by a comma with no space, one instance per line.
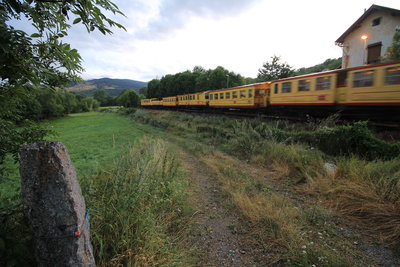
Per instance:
(95,139)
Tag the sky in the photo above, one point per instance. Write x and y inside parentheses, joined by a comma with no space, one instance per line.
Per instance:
(169,36)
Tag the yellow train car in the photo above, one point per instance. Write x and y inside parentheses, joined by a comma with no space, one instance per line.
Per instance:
(247,96)
(193,100)
(371,85)
(198,99)
(307,90)
(171,101)
(145,102)
(153,102)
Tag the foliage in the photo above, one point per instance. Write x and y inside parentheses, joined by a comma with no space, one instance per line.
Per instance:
(31,66)
(329,64)
(103,98)
(128,99)
(192,81)
(274,70)
(393,51)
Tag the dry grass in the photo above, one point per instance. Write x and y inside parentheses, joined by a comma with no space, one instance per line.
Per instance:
(277,222)
(370,197)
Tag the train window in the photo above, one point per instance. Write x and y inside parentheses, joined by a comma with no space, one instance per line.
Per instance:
(392,75)
(227,95)
(276,88)
(250,93)
(216,96)
(221,96)
(323,83)
(242,93)
(211,96)
(197,97)
(304,85)
(286,87)
(363,78)
(234,94)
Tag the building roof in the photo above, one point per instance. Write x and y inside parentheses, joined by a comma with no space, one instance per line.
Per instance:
(357,24)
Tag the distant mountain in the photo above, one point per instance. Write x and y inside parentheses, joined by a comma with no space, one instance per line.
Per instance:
(113,87)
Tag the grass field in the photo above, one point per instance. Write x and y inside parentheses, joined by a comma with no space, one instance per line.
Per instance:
(94,140)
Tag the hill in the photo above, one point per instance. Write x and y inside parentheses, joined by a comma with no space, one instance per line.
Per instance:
(113,87)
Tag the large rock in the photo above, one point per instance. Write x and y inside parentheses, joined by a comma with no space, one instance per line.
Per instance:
(56,206)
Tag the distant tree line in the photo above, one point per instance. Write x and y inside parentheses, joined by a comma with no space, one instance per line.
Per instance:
(200,79)
(197,80)
(127,98)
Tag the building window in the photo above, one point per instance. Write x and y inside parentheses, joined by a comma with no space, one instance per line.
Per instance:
(250,93)
(363,78)
(304,85)
(374,53)
(392,75)
(276,88)
(242,94)
(324,83)
(376,21)
(286,87)
(221,96)
(228,95)
(234,94)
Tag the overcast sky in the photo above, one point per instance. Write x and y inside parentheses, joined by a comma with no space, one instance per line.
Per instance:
(170,36)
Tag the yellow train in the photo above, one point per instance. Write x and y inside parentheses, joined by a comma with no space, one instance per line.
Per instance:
(370,92)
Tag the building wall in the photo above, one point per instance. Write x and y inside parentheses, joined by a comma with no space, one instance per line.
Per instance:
(354,53)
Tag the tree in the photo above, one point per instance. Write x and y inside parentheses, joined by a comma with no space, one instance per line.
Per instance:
(101,96)
(40,59)
(274,70)
(393,51)
(128,99)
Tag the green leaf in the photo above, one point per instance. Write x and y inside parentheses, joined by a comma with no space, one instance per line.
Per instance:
(36,35)
(77,20)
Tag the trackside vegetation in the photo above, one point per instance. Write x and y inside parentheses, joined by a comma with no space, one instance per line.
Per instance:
(330,169)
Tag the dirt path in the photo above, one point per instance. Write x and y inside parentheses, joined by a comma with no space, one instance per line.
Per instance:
(217,232)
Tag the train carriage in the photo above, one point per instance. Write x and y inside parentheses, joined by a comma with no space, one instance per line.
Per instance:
(145,102)
(372,86)
(306,90)
(248,96)
(193,100)
(171,101)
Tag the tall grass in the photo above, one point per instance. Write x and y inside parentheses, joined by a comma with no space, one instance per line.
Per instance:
(139,209)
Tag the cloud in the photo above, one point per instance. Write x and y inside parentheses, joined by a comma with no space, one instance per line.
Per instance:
(174,14)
